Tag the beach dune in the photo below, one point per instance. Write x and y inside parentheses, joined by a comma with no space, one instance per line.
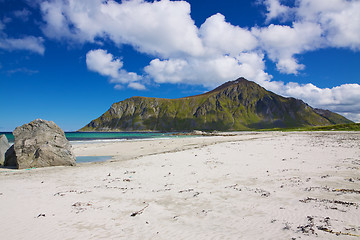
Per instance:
(268,185)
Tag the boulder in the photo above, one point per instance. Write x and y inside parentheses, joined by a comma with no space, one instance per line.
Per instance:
(40,143)
(4,146)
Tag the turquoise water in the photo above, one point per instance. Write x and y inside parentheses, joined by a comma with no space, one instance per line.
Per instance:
(90,136)
(83,159)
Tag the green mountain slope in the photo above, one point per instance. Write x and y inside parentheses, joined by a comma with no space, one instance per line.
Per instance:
(235,105)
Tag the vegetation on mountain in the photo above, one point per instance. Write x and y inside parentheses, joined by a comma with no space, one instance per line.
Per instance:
(235,105)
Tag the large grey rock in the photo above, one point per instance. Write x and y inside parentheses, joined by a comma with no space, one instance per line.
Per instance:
(40,143)
(4,146)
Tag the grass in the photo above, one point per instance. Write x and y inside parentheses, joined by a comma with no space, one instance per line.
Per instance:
(336,127)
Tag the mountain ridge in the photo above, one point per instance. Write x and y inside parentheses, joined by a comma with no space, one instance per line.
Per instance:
(234,105)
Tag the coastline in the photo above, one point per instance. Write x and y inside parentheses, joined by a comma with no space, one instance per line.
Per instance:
(254,185)
(129,149)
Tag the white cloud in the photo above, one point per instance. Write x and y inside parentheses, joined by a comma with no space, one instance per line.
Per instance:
(282,42)
(344,99)
(209,72)
(219,35)
(339,19)
(136,86)
(104,63)
(315,24)
(162,28)
(171,71)
(276,10)
(57,24)
(167,31)
(30,43)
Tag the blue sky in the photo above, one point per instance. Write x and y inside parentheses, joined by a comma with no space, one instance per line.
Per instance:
(69,60)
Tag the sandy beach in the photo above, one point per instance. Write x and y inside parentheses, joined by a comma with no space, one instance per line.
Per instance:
(254,185)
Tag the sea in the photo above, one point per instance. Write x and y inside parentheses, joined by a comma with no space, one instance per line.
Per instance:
(94,137)
(88,137)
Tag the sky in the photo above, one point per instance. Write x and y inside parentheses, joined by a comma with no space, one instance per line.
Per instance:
(68,60)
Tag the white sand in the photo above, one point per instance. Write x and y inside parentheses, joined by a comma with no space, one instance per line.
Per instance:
(251,186)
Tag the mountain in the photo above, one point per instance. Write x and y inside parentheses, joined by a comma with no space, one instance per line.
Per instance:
(235,105)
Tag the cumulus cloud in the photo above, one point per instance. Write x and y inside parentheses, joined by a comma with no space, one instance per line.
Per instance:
(315,24)
(167,31)
(102,62)
(106,64)
(209,72)
(339,19)
(162,28)
(225,38)
(282,42)
(276,10)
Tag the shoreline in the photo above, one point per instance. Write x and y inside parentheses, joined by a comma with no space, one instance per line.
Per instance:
(273,185)
(127,149)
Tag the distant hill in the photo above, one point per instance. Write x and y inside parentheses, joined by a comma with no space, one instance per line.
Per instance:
(235,105)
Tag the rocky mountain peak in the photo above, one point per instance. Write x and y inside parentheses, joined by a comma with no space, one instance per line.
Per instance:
(234,105)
